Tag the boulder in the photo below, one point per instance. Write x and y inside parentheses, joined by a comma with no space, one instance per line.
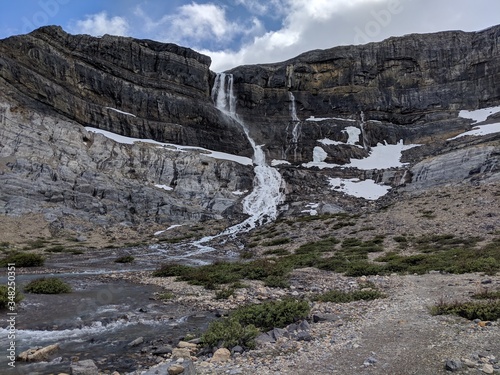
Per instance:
(221,355)
(84,367)
(38,354)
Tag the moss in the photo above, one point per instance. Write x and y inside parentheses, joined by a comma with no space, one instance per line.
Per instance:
(484,310)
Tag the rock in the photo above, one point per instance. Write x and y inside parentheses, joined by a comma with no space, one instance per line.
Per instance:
(38,354)
(453,365)
(187,345)
(181,353)
(186,368)
(84,367)
(325,318)
(304,336)
(175,369)
(163,350)
(469,363)
(221,355)
(265,338)
(278,333)
(304,326)
(138,341)
(487,368)
(237,349)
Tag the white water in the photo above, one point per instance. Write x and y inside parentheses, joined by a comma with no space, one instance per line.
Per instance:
(295,123)
(262,203)
(362,126)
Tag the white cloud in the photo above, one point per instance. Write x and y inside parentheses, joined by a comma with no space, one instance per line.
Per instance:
(99,24)
(193,24)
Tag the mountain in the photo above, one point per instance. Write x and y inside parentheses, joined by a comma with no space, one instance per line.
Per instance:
(354,119)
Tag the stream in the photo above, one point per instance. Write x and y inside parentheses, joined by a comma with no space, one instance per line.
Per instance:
(100,317)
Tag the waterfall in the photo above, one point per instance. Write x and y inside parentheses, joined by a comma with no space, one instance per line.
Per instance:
(363,134)
(295,123)
(262,203)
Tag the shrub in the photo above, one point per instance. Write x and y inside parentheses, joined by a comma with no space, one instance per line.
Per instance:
(228,333)
(23,260)
(276,282)
(224,293)
(269,315)
(484,310)
(4,297)
(125,259)
(50,285)
(277,241)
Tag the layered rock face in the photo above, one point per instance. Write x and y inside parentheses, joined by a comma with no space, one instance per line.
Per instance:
(335,105)
(162,90)
(407,88)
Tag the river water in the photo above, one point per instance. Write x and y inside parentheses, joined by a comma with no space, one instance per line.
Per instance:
(99,318)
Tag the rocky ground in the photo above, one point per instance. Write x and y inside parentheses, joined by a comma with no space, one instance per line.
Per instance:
(394,335)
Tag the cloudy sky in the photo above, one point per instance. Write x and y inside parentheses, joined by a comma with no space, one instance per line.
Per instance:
(236,32)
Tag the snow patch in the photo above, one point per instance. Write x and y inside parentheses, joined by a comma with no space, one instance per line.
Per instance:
(312,118)
(238,192)
(480,130)
(169,228)
(330,142)
(312,209)
(366,189)
(164,187)
(479,115)
(123,113)
(353,134)
(213,154)
(275,162)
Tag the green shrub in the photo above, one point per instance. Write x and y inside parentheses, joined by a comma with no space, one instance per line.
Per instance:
(229,332)
(50,285)
(4,297)
(276,282)
(338,296)
(224,293)
(269,315)
(23,260)
(166,296)
(484,310)
(277,252)
(125,259)
(487,294)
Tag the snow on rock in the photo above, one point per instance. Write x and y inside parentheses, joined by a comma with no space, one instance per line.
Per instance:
(480,130)
(123,113)
(213,154)
(312,209)
(382,156)
(312,118)
(353,134)
(164,187)
(479,115)
(329,142)
(238,192)
(275,162)
(170,227)
(367,189)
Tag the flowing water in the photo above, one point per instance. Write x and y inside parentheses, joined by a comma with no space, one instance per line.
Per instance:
(99,318)
(296,125)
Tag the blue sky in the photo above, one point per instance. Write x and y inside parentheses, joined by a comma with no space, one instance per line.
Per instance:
(236,32)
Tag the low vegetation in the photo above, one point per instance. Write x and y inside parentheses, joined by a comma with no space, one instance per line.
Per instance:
(50,285)
(4,297)
(23,260)
(244,324)
(125,259)
(483,310)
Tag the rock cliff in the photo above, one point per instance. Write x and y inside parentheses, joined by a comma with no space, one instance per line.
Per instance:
(331,107)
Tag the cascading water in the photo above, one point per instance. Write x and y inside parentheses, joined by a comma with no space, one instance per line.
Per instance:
(363,134)
(262,203)
(296,125)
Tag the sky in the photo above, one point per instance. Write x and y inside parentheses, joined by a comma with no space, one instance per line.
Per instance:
(239,32)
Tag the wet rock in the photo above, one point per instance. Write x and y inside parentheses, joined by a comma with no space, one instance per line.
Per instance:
(138,341)
(84,367)
(38,354)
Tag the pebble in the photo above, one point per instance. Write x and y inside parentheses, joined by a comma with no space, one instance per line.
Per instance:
(487,369)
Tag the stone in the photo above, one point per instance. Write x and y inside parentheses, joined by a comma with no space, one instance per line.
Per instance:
(84,367)
(265,338)
(38,354)
(221,355)
(487,368)
(469,363)
(165,349)
(304,326)
(304,336)
(237,349)
(175,369)
(187,345)
(181,353)
(138,341)
(453,365)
